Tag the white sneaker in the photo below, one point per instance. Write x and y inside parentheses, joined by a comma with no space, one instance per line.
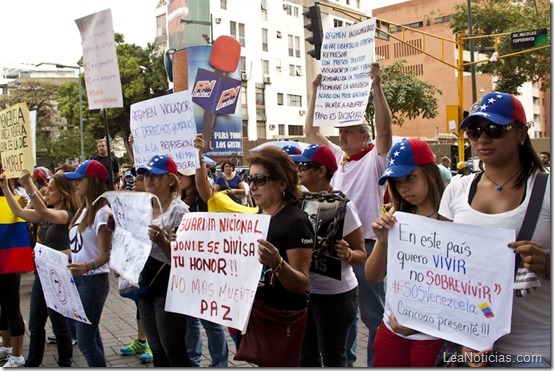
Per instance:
(4,353)
(14,361)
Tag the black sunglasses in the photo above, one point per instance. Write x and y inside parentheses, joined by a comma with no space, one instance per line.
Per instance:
(493,131)
(302,166)
(258,180)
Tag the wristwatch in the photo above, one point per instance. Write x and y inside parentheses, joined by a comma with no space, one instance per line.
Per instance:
(32,194)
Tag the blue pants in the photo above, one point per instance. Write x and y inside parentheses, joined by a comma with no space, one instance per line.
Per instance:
(38,315)
(165,332)
(372,306)
(217,342)
(93,291)
(330,318)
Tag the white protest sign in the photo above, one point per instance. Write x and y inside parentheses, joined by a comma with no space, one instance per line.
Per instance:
(57,283)
(214,267)
(346,56)
(450,280)
(132,213)
(165,126)
(33,117)
(101,69)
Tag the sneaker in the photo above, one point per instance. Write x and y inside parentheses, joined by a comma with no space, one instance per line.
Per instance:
(5,353)
(134,348)
(14,361)
(52,339)
(147,356)
(74,342)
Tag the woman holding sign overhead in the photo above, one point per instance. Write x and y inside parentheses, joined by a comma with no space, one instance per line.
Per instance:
(90,241)
(503,195)
(165,331)
(53,232)
(415,185)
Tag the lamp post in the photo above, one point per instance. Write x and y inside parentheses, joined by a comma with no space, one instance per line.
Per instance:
(78,68)
(205,23)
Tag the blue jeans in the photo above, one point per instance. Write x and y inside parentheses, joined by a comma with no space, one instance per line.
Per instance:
(330,318)
(38,315)
(93,291)
(217,342)
(372,306)
(165,332)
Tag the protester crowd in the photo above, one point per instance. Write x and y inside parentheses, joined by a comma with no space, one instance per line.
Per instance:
(379,179)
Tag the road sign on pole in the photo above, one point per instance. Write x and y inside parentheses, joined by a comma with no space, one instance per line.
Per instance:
(529,39)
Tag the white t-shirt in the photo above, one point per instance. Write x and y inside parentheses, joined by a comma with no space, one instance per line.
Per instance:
(320,284)
(84,246)
(359,180)
(530,332)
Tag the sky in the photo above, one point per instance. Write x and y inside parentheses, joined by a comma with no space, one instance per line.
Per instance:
(35,31)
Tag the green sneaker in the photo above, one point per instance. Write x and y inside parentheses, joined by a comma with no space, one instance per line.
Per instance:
(147,356)
(134,348)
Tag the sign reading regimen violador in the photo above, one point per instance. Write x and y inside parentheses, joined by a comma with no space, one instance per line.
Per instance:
(529,39)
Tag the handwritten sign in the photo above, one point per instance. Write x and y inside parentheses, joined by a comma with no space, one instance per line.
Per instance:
(57,283)
(102,78)
(132,213)
(214,267)
(16,143)
(450,280)
(346,56)
(165,126)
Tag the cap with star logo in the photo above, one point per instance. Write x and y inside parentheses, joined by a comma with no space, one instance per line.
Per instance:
(405,156)
(498,108)
(158,165)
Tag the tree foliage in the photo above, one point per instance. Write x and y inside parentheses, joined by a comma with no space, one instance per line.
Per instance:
(407,96)
(491,17)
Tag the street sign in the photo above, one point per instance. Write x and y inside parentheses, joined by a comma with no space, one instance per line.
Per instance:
(529,39)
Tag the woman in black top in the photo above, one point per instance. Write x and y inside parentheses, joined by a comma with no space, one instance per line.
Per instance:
(53,232)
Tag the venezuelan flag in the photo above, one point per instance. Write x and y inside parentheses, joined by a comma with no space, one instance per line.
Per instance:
(16,255)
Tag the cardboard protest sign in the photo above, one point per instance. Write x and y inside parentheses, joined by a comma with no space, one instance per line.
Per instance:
(100,64)
(451,280)
(132,213)
(214,267)
(165,126)
(57,283)
(346,57)
(16,142)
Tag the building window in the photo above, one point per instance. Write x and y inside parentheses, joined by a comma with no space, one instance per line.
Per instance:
(415,24)
(265,67)
(295,70)
(294,100)
(245,128)
(338,23)
(264,40)
(382,52)
(296,130)
(402,50)
(243,98)
(443,19)
(242,64)
(291,46)
(292,10)
(281,129)
(263,6)
(260,101)
(223,4)
(260,129)
(280,99)
(161,25)
(237,30)
(297,47)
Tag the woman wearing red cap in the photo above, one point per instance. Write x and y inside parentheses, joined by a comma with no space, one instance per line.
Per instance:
(165,331)
(415,184)
(90,241)
(500,196)
(333,303)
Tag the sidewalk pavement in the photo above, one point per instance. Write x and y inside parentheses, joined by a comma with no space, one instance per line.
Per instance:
(118,327)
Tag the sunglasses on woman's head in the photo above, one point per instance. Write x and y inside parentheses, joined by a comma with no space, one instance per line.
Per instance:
(302,166)
(493,131)
(258,180)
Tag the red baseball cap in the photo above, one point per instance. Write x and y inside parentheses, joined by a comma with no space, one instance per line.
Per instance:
(90,168)
(318,153)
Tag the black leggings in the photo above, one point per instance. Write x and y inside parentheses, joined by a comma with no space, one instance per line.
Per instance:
(10,313)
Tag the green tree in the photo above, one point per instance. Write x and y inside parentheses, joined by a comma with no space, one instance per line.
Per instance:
(408,97)
(505,16)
